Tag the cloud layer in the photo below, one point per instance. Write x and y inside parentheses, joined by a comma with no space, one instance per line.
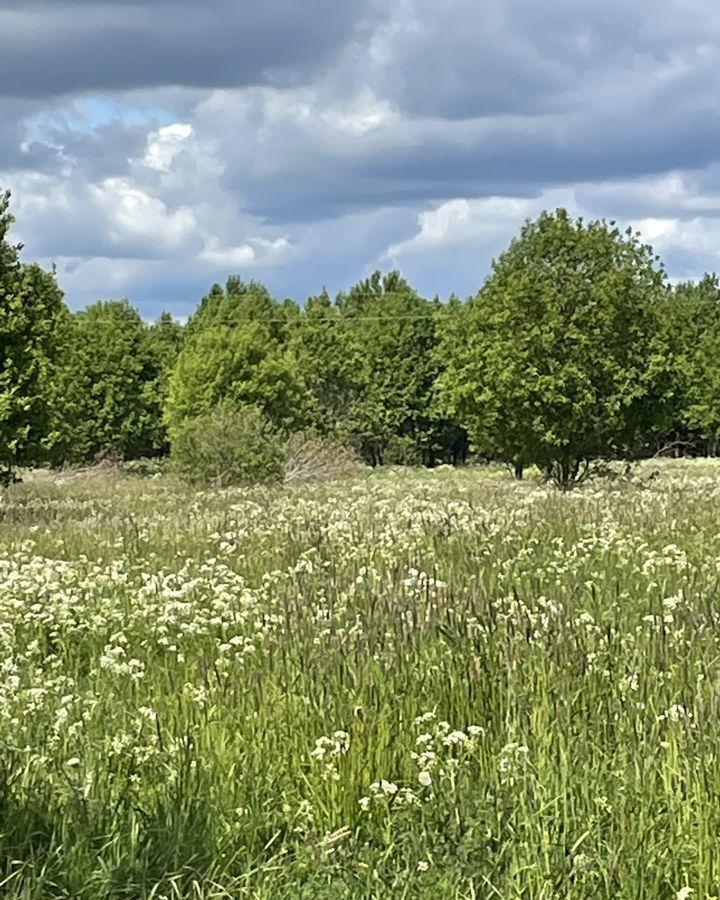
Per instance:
(154,147)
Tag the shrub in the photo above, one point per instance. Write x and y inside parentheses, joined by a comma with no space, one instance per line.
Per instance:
(227,446)
(145,467)
(308,457)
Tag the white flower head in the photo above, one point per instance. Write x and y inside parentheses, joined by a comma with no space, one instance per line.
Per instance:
(425,717)
(455,737)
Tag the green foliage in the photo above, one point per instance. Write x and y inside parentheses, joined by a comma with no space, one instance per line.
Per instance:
(559,360)
(227,445)
(112,384)
(392,336)
(574,350)
(321,343)
(235,349)
(31,314)
(164,342)
(147,467)
(369,364)
(241,302)
(691,322)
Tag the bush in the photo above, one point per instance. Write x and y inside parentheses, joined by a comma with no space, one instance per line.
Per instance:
(145,467)
(308,457)
(227,446)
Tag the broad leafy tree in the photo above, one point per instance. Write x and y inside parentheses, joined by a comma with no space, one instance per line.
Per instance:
(559,359)
(321,342)
(369,362)
(110,386)
(391,371)
(164,342)
(691,318)
(31,313)
(236,349)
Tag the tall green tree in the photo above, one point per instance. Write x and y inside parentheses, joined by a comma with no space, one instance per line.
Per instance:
(110,386)
(321,342)
(31,312)
(451,440)
(164,342)
(369,364)
(239,303)
(391,370)
(559,360)
(691,319)
(236,349)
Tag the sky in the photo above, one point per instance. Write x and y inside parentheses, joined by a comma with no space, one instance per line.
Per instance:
(154,147)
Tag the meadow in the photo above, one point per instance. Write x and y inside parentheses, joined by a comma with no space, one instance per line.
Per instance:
(401,684)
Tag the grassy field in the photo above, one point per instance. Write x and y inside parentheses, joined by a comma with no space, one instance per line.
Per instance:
(402,685)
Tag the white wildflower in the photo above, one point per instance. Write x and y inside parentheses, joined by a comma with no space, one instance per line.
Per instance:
(425,717)
(455,737)
(675,713)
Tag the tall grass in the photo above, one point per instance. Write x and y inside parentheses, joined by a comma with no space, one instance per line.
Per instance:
(405,684)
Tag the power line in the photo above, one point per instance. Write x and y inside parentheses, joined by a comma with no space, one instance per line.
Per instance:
(303,319)
(342,318)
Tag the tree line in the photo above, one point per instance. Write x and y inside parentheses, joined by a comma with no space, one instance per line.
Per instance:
(576,348)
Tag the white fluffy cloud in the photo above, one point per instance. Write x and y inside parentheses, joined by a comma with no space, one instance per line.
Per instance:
(134,216)
(165,144)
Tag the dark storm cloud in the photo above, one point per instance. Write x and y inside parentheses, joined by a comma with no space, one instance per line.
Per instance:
(517,158)
(104,151)
(304,119)
(503,97)
(95,152)
(55,47)
(464,59)
(15,151)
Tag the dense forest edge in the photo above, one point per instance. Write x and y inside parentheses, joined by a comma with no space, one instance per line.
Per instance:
(576,350)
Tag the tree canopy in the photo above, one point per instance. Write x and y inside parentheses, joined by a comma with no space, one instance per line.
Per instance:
(31,313)
(112,383)
(574,349)
(691,322)
(559,359)
(236,349)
